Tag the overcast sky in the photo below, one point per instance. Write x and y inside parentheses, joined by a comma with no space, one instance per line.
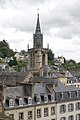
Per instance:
(59,19)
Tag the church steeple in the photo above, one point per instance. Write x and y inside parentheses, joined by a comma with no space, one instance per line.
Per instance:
(38,37)
(38,29)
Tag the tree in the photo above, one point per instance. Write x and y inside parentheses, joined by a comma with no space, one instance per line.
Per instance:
(50,57)
(70,64)
(12,62)
(20,65)
(5,51)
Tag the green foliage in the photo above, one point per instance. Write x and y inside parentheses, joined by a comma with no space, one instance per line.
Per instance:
(4,44)
(5,51)
(20,65)
(12,62)
(50,55)
(71,65)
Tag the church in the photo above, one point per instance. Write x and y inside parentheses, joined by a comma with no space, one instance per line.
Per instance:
(37,55)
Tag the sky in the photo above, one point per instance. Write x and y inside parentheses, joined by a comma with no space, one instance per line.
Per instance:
(59,20)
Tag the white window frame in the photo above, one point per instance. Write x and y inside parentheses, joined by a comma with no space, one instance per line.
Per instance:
(38,113)
(29,101)
(11,103)
(30,115)
(46,112)
(20,101)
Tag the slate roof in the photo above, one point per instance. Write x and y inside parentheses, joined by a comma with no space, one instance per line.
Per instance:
(15,91)
(11,78)
(75,73)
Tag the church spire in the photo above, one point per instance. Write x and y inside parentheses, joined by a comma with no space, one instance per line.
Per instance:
(38,25)
(38,36)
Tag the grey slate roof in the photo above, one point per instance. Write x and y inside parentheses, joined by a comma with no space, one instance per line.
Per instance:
(11,78)
(13,92)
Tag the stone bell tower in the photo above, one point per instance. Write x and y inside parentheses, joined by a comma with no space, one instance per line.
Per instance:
(37,55)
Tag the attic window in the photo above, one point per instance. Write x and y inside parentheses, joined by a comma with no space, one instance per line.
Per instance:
(29,100)
(69,94)
(77,93)
(52,97)
(38,99)
(62,95)
(20,101)
(11,103)
(45,98)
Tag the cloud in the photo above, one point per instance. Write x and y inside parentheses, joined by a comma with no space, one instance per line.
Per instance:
(60,23)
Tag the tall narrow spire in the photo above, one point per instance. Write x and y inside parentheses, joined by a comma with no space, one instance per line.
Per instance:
(38,25)
(38,36)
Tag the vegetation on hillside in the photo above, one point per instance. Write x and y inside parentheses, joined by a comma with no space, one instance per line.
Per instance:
(50,57)
(5,50)
(71,65)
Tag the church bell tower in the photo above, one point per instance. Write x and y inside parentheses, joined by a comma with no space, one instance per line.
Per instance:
(37,55)
(38,37)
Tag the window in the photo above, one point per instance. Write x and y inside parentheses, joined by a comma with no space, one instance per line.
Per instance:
(29,115)
(45,112)
(70,107)
(78,117)
(71,117)
(38,99)
(62,108)
(77,93)
(69,94)
(78,106)
(20,101)
(52,98)
(38,113)
(45,98)
(11,116)
(29,100)
(62,95)
(52,110)
(63,118)
(20,116)
(11,103)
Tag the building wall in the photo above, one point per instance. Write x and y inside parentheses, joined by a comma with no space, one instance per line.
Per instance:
(63,80)
(20,110)
(67,113)
(49,117)
(34,111)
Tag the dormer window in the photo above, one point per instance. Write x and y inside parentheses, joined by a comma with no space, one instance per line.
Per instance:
(11,103)
(69,94)
(38,99)
(20,101)
(52,97)
(77,93)
(45,98)
(29,100)
(62,95)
